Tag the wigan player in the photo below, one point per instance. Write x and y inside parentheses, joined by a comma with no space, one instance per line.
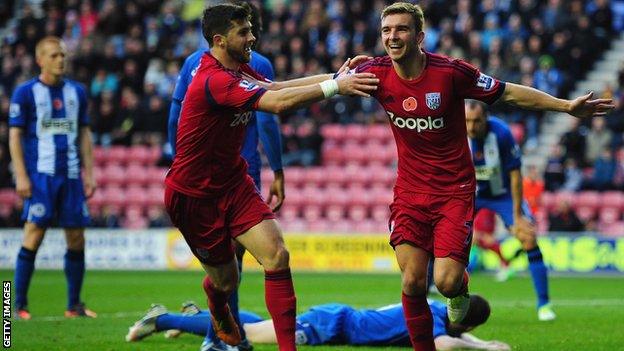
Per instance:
(497,160)
(433,205)
(262,126)
(50,139)
(208,194)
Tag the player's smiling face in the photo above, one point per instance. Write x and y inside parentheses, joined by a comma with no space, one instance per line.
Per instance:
(399,37)
(239,41)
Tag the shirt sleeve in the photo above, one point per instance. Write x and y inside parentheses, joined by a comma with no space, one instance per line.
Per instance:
(18,108)
(470,83)
(511,154)
(229,90)
(83,106)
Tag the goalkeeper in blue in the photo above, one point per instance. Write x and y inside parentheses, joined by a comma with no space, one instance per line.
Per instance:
(262,127)
(332,324)
(497,161)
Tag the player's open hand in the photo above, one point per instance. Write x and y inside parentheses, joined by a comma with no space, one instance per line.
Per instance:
(523,228)
(584,107)
(277,191)
(23,186)
(362,84)
(351,63)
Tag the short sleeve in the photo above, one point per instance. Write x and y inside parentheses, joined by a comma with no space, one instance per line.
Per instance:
(83,117)
(470,83)
(18,108)
(229,90)
(512,155)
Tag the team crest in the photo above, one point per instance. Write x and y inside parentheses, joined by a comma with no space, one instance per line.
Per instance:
(410,104)
(433,100)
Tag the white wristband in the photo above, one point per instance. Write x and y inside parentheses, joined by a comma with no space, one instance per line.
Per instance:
(329,87)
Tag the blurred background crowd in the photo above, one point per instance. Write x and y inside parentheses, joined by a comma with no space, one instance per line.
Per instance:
(128,54)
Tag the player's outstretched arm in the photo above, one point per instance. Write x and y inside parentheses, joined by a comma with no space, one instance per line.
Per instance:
(261,332)
(468,341)
(349,64)
(533,99)
(23,187)
(279,101)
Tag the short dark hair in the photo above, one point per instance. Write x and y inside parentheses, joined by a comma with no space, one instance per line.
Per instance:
(478,312)
(476,103)
(254,17)
(218,19)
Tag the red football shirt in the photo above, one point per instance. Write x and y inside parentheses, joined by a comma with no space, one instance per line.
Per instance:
(429,123)
(217,107)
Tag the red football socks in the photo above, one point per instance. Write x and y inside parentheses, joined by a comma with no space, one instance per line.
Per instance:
(217,300)
(419,322)
(281,302)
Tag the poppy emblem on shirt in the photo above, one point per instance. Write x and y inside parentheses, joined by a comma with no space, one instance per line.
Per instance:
(410,104)
(57,103)
(433,100)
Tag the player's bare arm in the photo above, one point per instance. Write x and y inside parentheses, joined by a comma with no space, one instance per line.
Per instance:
(279,101)
(86,155)
(349,64)
(533,99)
(23,187)
(522,225)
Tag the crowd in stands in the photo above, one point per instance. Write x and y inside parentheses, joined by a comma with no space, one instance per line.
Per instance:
(128,55)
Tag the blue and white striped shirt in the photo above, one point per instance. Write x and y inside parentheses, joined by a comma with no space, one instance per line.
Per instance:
(51,117)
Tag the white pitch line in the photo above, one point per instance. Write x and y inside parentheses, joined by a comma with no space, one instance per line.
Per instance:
(494,303)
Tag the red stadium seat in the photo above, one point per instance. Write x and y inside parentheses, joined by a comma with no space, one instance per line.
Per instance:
(365,226)
(341,226)
(380,133)
(136,196)
(312,213)
(609,215)
(317,226)
(332,155)
(8,196)
(333,132)
(99,155)
(615,229)
(137,175)
(139,154)
(335,212)
(156,175)
(548,201)
(612,199)
(356,132)
(586,213)
(116,155)
(566,196)
(357,213)
(380,213)
(314,176)
(115,196)
(587,199)
(296,225)
(113,175)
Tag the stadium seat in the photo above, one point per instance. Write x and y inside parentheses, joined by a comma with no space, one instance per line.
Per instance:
(612,199)
(333,132)
(587,199)
(136,174)
(156,175)
(548,201)
(296,225)
(136,196)
(335,212)
(114,195)
(380,213)
(615,229)
(317,226)
(365,226)
(586,213)
(113,175)
(609,215)
(356,132)
(340,226)
(357,213)
(380,133)
(332,155)
(566,196)
(99,155)
(155,195)
(139,154)
(8,196)
(134,219)
(116,155)
(312,213)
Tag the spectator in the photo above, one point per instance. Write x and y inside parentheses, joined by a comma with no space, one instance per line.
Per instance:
(573,175)
(533,187)
(598,139)
(573,142)
(554,173)
(564,219)
(604,172)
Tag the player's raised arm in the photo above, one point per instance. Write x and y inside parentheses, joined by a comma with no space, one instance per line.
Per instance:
(279,101)
(533,99)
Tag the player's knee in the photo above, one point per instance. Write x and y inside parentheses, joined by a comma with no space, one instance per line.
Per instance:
(226,286)
(449,284)
(528,242)
(414,285)
(76,242)
(279,259)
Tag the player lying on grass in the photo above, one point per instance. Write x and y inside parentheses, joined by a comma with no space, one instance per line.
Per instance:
(336,324)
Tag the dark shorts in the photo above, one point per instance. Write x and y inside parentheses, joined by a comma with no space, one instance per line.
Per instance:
(209,224)
(58,200)
(439,224)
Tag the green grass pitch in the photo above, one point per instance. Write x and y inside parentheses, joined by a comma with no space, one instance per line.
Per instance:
(590,309)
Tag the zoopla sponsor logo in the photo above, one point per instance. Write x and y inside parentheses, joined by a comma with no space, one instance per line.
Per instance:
(420,124)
